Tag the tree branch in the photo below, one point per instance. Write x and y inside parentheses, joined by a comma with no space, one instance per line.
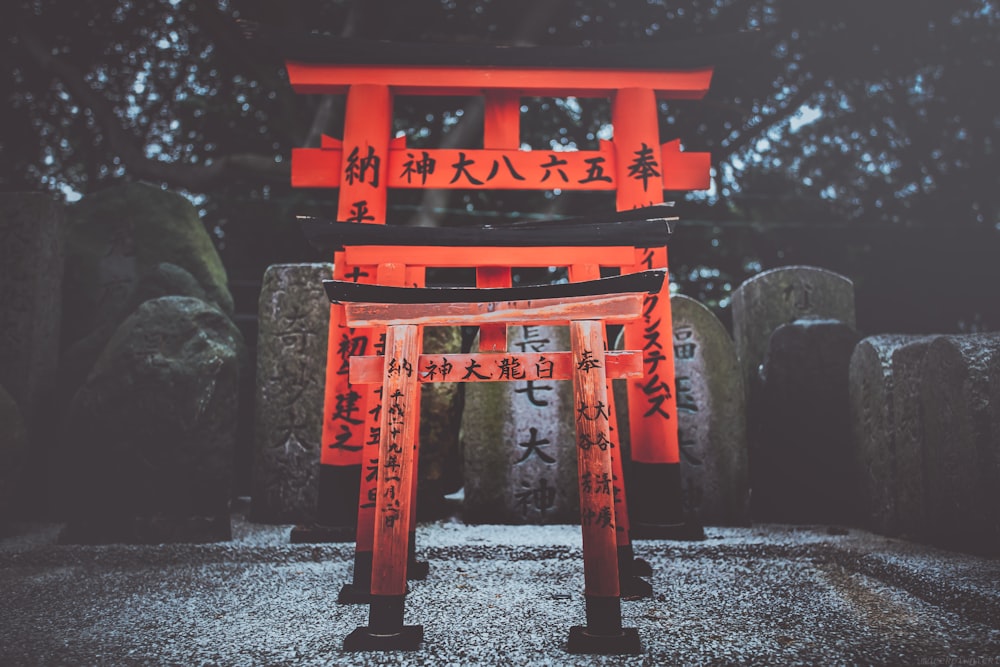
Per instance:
(194,177)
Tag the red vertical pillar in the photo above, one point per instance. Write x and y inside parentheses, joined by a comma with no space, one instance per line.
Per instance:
(358,590)
(631,584)
(363,199)
(397,439)
(602,592)
(655,485)
(501,129)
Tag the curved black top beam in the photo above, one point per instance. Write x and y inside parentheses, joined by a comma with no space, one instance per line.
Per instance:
(344,291)
(314,47)
(620,229)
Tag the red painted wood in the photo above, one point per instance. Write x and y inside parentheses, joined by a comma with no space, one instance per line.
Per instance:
(385,274)
(685,171)
(488,256)
(316,167)
(501,130)
(311,78)
(493,337)
(367,123)
(502,169)
(652,403)
(502,119)
(366,164)
(496,367)
(610,308)
(399,418)
(597,507)
(581,272)
(365,157)
(344,407)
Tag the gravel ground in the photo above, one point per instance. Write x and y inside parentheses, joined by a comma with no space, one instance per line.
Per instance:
(499,595)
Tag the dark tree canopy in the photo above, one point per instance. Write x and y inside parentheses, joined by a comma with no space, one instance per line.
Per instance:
(869,115)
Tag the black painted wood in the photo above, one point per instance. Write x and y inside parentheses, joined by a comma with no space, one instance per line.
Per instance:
(329,236)
(314,47)
(344,291)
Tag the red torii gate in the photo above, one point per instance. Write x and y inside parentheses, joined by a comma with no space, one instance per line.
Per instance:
(635,165)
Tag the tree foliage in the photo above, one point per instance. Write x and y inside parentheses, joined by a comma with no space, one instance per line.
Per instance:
(860,112)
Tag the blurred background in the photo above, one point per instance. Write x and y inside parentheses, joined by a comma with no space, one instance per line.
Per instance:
(855,136)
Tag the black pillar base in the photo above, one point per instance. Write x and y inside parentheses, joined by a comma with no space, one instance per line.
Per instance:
(631,585)
(627,562)
(351,593)
(408,638)
(641,567)
(359,590)
(416,570)
(633,588)
(581,641)
(385,630)
(604,632)
(656,504)
(336,507)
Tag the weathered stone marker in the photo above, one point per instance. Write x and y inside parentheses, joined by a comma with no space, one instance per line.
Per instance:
(800,456)
(794,333)
(888,434)
(711,413)
(779,296)
(520,445)
(293,317)
(119,242)
(153,428)
(962,441)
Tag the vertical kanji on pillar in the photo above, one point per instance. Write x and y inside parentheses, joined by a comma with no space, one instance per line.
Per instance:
(631,584)
(602,592)
(597,504)
(397,450)
(655,488)
(362,199)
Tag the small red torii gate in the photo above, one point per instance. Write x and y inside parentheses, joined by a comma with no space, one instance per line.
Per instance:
(634,164)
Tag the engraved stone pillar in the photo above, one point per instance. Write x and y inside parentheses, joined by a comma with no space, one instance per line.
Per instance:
(958,392)
(772,298)
(888,436)
(294,316)
(154,427)
(711,414)
(520,449)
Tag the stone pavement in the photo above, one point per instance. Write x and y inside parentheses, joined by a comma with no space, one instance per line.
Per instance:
(499,595)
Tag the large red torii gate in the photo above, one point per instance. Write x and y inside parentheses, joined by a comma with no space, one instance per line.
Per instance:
(634,164)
